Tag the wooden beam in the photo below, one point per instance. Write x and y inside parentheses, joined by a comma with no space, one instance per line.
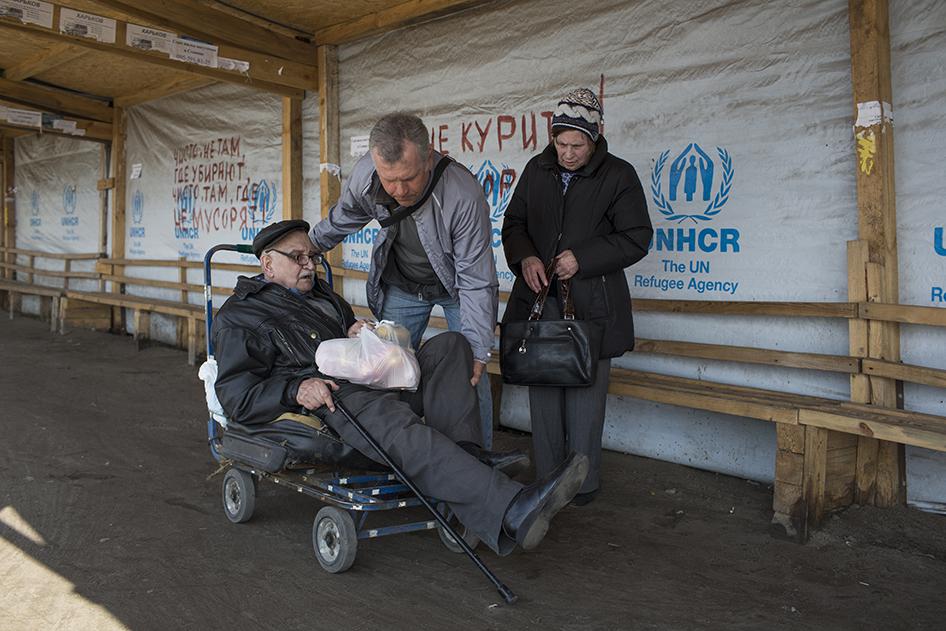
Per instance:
(865,468)
(177,85)
(907,314)
(280,76)
(399,15)
(198,20)
(330,184)
(905,372)
(814,468)
(224,6)
(44,60)
(761,308)
(291,158)
(9,203)
(94,130)
(813,361)
(59,101)
(117,232)
(876,202)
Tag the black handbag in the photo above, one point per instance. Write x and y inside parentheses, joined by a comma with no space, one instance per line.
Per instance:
(549,352)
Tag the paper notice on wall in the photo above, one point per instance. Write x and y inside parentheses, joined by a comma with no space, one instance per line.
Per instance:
(873,113)
(135,171)
(359,146)
(81,24)
(24,118)
(193,52)
(64,125)
(144,38)
(238,65)
(28,11)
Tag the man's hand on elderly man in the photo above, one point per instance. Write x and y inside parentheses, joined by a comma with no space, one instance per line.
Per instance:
(314,393)
(478,368)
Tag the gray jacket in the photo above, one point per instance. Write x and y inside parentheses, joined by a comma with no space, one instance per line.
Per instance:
(455,230)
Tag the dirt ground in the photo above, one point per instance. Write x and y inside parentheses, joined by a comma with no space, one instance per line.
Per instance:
(108,521)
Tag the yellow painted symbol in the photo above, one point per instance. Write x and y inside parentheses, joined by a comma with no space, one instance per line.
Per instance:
(866,151)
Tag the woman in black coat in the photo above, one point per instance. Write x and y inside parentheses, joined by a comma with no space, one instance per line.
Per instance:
(582,209)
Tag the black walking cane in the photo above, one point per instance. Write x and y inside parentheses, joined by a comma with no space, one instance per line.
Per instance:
(504,591)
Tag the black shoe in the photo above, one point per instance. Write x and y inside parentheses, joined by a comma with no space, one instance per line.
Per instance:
(527,517)
(509,462)
(583,499)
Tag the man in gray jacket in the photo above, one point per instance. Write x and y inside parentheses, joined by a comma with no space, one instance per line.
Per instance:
(436,249)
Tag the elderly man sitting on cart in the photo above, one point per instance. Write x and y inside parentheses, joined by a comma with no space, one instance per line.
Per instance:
(265,337)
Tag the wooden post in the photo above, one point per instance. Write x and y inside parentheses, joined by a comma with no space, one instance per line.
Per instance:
(184,298)
(118,207)
(103,202)
(9,204)
(877,217)
(330,184)
(291,158)
(858,335)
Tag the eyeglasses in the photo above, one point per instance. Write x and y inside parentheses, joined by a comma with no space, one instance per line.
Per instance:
(301,259)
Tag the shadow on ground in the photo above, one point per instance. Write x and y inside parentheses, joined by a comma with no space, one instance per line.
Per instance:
(108,520)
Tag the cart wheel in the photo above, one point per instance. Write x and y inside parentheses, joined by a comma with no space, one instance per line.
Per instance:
(239,495)
(334,539)
(448,541)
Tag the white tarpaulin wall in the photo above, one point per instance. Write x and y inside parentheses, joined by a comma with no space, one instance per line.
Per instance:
(211,172)
(918,67)
(58,204)
(756,93)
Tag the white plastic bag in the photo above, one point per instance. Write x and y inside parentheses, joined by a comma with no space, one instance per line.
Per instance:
(208,374)
(370,360)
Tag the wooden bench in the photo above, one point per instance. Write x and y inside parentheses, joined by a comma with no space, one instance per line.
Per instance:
(15,289)
(93,310)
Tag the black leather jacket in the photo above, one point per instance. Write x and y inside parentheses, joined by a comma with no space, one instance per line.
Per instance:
(265,338)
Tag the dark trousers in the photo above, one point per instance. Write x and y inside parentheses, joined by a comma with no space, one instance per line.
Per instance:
(569,419)
(426,449)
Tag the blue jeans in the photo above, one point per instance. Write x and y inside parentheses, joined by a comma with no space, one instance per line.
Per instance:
(413,313)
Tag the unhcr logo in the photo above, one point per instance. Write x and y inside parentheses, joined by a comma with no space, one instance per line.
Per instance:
(693,186)
(69,199)
(69,205)
(137,206)
(137,214)
(497,183)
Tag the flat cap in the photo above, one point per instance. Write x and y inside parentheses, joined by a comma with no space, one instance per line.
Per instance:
(274,232)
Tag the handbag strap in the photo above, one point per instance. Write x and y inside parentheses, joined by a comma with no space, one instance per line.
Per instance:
(403,212)
(568,312)
(539,304)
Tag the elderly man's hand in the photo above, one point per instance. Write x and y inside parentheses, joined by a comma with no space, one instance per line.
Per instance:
(357,326)
(314,393)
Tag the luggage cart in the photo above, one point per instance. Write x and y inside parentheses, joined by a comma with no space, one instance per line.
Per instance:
(349,499)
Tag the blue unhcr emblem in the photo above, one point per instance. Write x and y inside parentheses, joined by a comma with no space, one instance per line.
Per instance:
(137,206)
(497,186)
(695,170)
(34,203)
(265,199)
(69,198)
